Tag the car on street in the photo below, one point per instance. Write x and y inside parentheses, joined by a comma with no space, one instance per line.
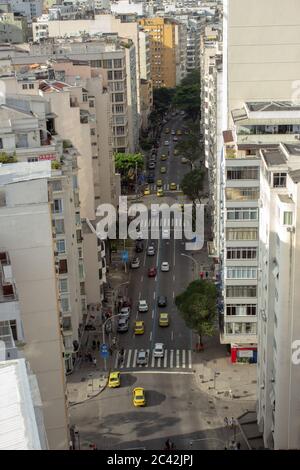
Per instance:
(159,192)
(139,328)
(173,132)
(135,263)
(167,130)
(165,234)
(178,132)
(143,306)
(165,266)
(183,160)
(173,186)
(163,319)
(151,165)
(163,169)
(139,246)
(152,272)
(147,191)
(176,152)
(125,312)
(151,250)
(162,301)
(114,380)
(150,179)
(175,139)
(182,113)
(159,350)
(166,143)
(159,183)
(122,326)
(138,396)
(142,357)
(163,157)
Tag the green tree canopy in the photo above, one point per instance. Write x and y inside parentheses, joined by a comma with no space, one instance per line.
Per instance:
(126,163)
(5,158)
(192,184)
(198,306)
(189,147)
(162,98)
(187,95)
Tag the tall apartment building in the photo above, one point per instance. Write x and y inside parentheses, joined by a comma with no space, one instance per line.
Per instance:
(164,52)
(29,8)
(13,28)
(279,297)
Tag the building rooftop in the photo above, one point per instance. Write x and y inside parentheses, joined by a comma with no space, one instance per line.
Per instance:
(274,157)
(24,171)
(272,106)
(295,176)
(18,425)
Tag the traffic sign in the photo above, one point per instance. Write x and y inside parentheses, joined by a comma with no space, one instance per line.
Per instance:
(104,352)
(125,256)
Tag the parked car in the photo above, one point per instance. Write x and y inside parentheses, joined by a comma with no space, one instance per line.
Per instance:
(151,165)
(122,326)
(162,301)
(159,350)
(125,312)
(143,306)
(135,263)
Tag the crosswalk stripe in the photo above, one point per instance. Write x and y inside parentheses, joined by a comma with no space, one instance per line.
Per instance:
(153,361)
(148,354)
(158,362)
(171,358)
(190,359)
(177,358)
(183,358)
(166,358)
(129,357)
(134,358)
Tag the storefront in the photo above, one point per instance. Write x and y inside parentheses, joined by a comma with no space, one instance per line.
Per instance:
(246,354)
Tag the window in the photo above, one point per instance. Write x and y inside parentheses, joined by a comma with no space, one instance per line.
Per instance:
(79,236)
(91,103)
(241,291)
(118,63)
(118,75)
(100,274)
(63,285)
(242,213)
(287,218)
(229,328)
(63,266)
(279,180)
(242,194)
(81,271)
(77,218)
(109,75)
(59,226)
(80,253)
(119,86)
(241,234)
(119,120)
(241,273)
(67,324)
(24,86)
(96,63)
(118,97)
(107,64)
(57,206)
(1,143)
(31,86)
(61,246)
(21,140)
(120,130)
(93,132)
(56,185)
(82,288)
(240,310)
(241,253)
(119,108)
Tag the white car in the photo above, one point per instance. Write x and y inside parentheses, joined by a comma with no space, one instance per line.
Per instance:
(165,266)
(125,312)
(151,250)
(175,139)
(143,306)
(159,350)
(135,263)
(166,143)
(173,132)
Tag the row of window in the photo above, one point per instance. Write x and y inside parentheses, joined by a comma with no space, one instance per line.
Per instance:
(243,173)
(242,194)
(242,213)
(232,328)
(241,291)
(107,63)
(115,75)
(240,272)
(241,253)
(233,234)
(240,310)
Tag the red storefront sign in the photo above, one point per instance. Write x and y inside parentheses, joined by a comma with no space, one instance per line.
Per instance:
(48,156)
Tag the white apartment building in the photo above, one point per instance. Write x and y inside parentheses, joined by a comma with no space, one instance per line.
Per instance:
(21,417)
(279,297)
(41,275)
(138,7)
(29,8)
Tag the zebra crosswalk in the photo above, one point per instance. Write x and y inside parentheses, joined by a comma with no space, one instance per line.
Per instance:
(173,359)
(165,223)
(165,187)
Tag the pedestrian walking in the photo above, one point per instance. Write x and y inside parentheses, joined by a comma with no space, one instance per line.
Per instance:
(95,361)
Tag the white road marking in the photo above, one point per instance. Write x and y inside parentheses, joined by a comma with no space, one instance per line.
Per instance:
(173,277)
(171,358)
(154,294)
(129,357)
(151,336)
(172,335)
(153,361)
(174,257)
(190,359)
(183,358)
(140,295)
(152,314)
(158,362)
(159,372)
(142,278)
(177,358)
(134,358)
(166,358)
(173,295)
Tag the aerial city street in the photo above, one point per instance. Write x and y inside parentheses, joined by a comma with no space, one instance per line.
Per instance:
(149,170)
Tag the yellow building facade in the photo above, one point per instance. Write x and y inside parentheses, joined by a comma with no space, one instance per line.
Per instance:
(162,50)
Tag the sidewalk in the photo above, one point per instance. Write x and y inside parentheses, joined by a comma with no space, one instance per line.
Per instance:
(86,382)
(218,377)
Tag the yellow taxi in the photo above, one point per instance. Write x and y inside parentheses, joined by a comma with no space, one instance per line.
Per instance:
(178,132)
(167,130)
(159,183)
(114,380)
(163,319)
(159,192)
(163,157)
(138,396)
(147,191)
(173,186)
(163,169)
(176,152)
(139,328)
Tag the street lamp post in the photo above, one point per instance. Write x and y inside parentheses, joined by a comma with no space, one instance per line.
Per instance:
(194,261)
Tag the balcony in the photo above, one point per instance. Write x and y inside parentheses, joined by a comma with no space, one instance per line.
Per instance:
(7,287)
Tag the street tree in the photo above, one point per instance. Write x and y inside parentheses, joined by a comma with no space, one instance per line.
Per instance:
(189,148)
(198,307)
(187,95)
(192,185)
(127,164)
(162,99)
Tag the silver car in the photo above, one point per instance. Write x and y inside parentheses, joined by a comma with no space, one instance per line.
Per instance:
(142,358)
(151,250)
